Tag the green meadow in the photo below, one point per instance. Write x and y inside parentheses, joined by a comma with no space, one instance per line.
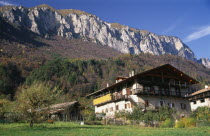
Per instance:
(73,129)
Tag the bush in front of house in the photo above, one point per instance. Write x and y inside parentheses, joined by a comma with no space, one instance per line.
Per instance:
(180,123)
(88,114)
(201,113)
(186,123)
(203,123)
(168,123)
(161,115)
(202,116)
(190,122)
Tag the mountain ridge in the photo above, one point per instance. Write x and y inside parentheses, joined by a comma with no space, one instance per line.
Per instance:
(79,24)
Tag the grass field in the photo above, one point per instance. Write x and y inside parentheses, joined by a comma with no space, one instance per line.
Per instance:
(71,129)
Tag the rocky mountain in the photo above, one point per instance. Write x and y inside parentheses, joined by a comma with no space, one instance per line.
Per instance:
(16,41)
(205,62)
(47,21)
(75,24)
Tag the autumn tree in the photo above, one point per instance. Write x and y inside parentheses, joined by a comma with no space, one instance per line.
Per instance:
(4,104)
(32,99)
(88,114)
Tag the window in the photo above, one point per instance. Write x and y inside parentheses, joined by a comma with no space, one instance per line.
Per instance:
(103,111)
(146,89)
(125,106)
(161,103)
(183,106)
(146,103)
(129,105)
(173,105)
(106,110)
(202,100)
(173,92)
(111,109)
(194,102)
(117,107)
(156,88)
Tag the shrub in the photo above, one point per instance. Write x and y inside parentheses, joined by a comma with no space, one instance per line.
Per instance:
(201,113)
(180,123)
(4,103)
(166,113)
(190,122)
(167,123)
(88,114)
(203,123)
(202,116)
(186,122)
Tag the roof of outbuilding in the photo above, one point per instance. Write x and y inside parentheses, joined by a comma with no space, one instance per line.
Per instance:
(200,91)
(62,105)
(57,107)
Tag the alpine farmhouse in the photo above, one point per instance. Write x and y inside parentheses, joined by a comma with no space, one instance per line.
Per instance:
(162,86)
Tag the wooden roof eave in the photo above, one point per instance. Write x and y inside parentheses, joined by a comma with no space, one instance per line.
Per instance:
(200,92)
(142,74)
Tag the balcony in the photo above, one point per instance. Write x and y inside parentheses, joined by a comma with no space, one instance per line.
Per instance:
(160,93)
(109,98)
(137,91)
(140,91)
(119,96)
(177,83)
(102,99)
(184,94)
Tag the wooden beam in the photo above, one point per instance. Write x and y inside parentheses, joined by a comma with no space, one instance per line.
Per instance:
(164,76)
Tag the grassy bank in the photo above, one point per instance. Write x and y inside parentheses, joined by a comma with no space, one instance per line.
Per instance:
(71,129)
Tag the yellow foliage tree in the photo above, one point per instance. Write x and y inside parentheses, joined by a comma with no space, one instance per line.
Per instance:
(35,97)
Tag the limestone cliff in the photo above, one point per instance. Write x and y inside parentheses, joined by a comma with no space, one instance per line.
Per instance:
(47,21)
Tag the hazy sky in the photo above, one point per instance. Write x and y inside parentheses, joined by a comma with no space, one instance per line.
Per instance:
(187,19)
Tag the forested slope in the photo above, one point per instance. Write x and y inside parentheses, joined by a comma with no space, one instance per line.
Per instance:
(77,77)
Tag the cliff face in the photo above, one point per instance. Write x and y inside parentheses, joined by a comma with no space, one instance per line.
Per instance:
(46,21)
(205,62)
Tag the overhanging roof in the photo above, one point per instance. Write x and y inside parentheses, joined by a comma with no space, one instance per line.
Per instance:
(166,66)
(200,91)
(57,107)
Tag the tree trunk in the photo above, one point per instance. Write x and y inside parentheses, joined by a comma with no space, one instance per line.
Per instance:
(31,123)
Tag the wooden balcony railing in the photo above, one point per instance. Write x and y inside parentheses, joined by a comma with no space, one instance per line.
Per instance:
(120,97)
(102,99)
(108,98)
(164,93)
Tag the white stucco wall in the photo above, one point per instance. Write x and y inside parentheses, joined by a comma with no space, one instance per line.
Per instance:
(200,104)
(108,106)
(154,101)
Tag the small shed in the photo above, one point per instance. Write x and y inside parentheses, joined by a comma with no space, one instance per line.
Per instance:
(64,111)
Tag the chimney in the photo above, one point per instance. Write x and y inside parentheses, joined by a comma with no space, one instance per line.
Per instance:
(107,85)
(130,74)
(133,72)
